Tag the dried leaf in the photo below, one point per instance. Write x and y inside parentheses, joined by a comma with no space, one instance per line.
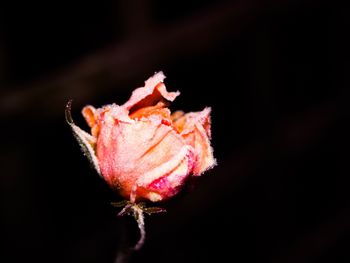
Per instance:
(154,210)
(120,203)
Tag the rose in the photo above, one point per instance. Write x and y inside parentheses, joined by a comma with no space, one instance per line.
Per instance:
(143,150)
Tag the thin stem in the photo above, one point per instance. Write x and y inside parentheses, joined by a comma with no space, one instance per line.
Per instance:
(139,216)
(137,210)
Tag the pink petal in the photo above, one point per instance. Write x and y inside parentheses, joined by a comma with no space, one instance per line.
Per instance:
(135,154)
(170,184)
(196,132)
(153,91)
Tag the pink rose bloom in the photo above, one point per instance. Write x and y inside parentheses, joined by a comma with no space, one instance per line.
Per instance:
(142,149)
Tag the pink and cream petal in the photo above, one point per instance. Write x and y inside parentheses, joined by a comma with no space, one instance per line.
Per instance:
(165,168)
(203,151)
(170,184)
(138,153)
(153,91)
(189,120)
(195,128)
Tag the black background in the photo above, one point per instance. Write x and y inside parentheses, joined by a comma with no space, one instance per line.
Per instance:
(276,74)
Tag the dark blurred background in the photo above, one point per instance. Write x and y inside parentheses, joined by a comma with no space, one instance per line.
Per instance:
(276,74)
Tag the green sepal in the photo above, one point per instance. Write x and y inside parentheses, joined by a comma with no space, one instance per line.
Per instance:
(86,141)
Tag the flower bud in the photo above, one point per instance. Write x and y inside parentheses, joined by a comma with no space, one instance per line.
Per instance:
(142,149)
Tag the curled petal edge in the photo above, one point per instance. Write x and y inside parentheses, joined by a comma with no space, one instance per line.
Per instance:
(152,85)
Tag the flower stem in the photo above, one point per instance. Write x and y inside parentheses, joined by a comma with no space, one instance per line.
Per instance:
(139,217)
(138,210)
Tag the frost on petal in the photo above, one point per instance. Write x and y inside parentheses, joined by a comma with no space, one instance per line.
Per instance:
(118,113)
(133,155)
(195,129)
(149,95)
(165,180)
(93,116)
(169,184)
